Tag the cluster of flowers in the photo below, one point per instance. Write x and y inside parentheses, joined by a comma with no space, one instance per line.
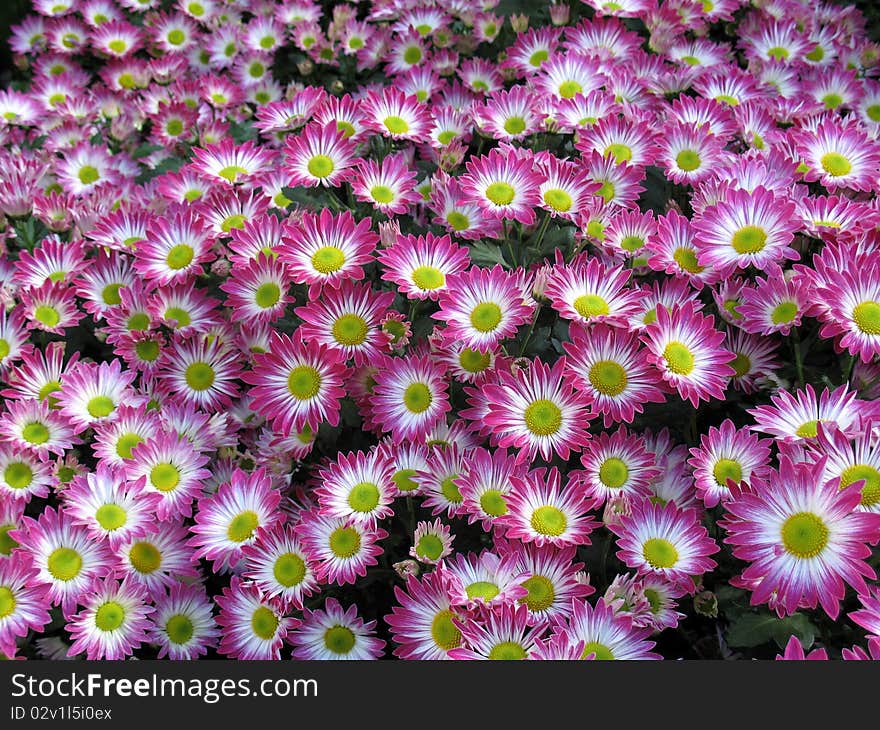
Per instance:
(215,285)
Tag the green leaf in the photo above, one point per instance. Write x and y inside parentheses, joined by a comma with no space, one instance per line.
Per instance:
(487,254)
(755,629)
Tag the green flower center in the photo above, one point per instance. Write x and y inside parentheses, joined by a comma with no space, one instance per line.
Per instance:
(320,166)
(458,221)
(804,535)
(486,316)
(145,558)
(138,322)
(179,629)
(199,376)
(835,164)
(482,589)
(88,174)
(568,89)
(236,220)
(549,520)
(231,172)
(165,477)
(613,472)
(686,258)
(500,193)
(541,593)
(590,305)
(474,361)
(608,377)
(109,616)
(867,317)
(403,480)
(396,125)
(110,294)
(345,542)
(264,623)
(428,278)
(328,259)
(47,315)
(100,406)
(364,497)
(412,55)
(450,490)
(444,632)
(242,526)
(339,639)
(181,316)
(784,312)
(289,570)
(778,53)
(832,100)
(179,256)
(679,358)
(620,152)
(871,488)
(538,57)
(7,544)
(382,194)
(558,199)
(691,60)
(430,547)
(688,160)
(602,652)
(817,54)
(660,553)
(64,564)
(111,517)
(446,137)
(507,651)
(304,382)
(7,601)
(18,475)
(417,398)
(492,502)
(515,125)
(125,443)
(725,469)
(749,239)
(53,386)
(174,127)
(808,430)
(5,348)
(35,433)
(350,330)
(543,417)
(873,112)
(741,365)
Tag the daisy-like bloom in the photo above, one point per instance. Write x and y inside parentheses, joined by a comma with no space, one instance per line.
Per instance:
(252,626)
(337,634)
(175,247)
(666,541)
(802,537)
(319,155)
(605,634)
(624,141)
(341,549)
(357,486)
(91,393)
(689,153)
(616,464)
(503,185)
(346,320)
(65,557)
(326,249)
(201,371)
(389,186)
(566,190)
(482,580)
(589,292)
(419,265)
(279,566)
(755,359)
(85,168)
(183,625)
(114,440)
(797,417)
(505,635)
(22,604)
(661,596)
(110,507)
(423,624)
(542,512)
(23,475)
(509,115)
(485,484)
(439,480)
(39,374)
(34,426)
(606,364)
(229,163)
(52,260)
(775,304)
(852,460)
(481,307)
(229,519)
(746,229)
(50,307)
(172,468)
(432,542)
(13,338)
(10,519)
(853,296)
(565,75)
(794,651)
(407,460)
(839,156)
(868,616)
(538,411)
(727,454)
(112,623)
(393,114)
(410,396)
(158,559)
(686,348)
(296,384)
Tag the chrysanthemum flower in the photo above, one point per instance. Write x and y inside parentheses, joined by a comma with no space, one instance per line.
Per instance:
(114,440)
(605,634)
(36,427)
(775,304)
(538,411)
(727,454)
(13,337)
(334,633)
(505,186)
(11,514)
(279,565)
(868,616)
(794,651)
(485,485)
(432,541)
(175,247)
(341,549)
(483,580)
(319,156)
(253,626)
(853,297)
(802,537)
(50,307)
(481,307)
(505,635)
(422,624)
(420,265)
(839,156)
(439,480)
(229,163)
(407,460)
(755,359)
(296,384)
(202,372)
(391,113)
(23,475)
(850,460)
(183,625)
(590,292)
(357,486)
(229,519)
(389,186)
(65,556)
(158,559)
(22,604)
(686,348)
(614,465)
(325,249)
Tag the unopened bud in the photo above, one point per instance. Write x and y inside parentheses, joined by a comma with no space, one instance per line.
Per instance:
(305,67)
(559,13)
(406,568)
(706,604)
(519,22)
